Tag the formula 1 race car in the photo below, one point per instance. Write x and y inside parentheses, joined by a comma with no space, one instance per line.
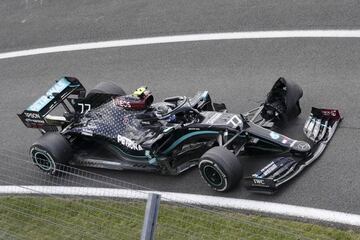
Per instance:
(106,128)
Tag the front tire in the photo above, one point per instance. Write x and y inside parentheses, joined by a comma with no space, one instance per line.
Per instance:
(51,152)
(220,169)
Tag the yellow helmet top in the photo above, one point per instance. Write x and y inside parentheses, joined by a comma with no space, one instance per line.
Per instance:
(140,91)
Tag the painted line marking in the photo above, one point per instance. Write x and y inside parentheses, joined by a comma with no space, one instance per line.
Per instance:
(233,203)
(186,38)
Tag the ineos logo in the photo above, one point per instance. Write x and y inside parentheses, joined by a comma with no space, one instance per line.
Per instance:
(122,103)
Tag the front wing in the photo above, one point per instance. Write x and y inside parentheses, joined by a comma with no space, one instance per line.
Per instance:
(319,129)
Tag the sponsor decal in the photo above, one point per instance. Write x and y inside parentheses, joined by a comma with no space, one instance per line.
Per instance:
(39,104)
(235,121)
(126,120)
(32,115)
(303,146)
(91,125)
(274,135)
(328,113)
(122,103)
(270,169)
(194,129)
(286,140)
(128,143)
(87,132)
(57,88)
(213,118)
(29,120)
(259,181)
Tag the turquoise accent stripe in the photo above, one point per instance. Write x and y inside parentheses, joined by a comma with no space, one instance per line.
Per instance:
(185,137)
(44,100)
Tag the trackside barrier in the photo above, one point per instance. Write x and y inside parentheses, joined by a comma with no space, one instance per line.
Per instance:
(151,215)
(78,204)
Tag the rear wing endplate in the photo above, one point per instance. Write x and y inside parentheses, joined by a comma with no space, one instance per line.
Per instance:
(34,115)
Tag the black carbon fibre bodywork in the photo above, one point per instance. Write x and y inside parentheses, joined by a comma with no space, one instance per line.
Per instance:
(105,130)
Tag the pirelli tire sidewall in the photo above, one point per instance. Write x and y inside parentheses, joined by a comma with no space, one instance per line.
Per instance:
(220,169)
(51,152)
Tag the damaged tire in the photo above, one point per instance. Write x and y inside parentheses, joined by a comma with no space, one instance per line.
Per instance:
(282,102)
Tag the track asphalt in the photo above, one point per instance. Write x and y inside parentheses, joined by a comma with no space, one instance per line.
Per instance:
(237,72)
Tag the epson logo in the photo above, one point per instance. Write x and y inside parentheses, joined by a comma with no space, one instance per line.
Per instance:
(32,115)
(259,181)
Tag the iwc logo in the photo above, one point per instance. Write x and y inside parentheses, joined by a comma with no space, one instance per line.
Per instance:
(259,181)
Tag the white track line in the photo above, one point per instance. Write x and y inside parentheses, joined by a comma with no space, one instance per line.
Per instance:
(234,203)
(251,205)
(186,38)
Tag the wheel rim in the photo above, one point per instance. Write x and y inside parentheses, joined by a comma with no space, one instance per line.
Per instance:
(42,160)
(212,175)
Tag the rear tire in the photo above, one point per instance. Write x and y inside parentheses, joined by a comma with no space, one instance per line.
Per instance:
(51,152)
(220,169)
(102,93)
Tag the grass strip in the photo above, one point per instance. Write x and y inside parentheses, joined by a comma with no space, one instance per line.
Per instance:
(27,217)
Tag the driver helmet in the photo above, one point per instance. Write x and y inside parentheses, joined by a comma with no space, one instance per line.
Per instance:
(161,109)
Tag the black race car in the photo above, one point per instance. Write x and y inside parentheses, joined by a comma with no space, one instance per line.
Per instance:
(106,128)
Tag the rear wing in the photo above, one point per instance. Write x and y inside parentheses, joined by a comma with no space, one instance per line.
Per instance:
(66,88)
